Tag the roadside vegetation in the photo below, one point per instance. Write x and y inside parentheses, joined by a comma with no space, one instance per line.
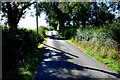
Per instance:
(102,43)
(91,26)
(21,52)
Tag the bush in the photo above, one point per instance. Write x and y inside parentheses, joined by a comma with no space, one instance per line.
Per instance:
(103,40)
(42,30)
(68,32)
(16,45)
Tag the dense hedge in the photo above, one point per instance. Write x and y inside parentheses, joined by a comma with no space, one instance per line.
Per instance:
(16,45)
(68,32)
(42,31)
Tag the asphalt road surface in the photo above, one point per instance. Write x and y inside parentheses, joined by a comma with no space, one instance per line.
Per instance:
(61,60)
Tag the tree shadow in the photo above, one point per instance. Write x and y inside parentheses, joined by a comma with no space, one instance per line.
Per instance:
(54,65)
(62,51)
(55,37)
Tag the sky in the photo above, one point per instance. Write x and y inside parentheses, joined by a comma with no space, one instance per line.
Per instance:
(29,22)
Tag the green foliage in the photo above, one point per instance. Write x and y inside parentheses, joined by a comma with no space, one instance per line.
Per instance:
(13,11)
(68,32)
(16,46)
(51,28)
(106,37)
(106,33)
(27,68)
(103,43)
(77,13)
(42,30)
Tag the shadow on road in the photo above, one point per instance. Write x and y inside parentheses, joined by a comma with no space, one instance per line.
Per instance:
(53,64)
(62,51)
(55,37)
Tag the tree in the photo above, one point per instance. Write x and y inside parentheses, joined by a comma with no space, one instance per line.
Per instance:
(54,14)
(77,13)
(14,11)
(101,14)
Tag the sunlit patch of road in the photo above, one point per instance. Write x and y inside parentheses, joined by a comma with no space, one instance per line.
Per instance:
(62,60)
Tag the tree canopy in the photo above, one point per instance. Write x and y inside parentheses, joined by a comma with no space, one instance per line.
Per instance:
(78,13)
(64,14)
(13,11)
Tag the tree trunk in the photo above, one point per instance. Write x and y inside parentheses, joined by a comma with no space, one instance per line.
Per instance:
(12,22)
(61,25)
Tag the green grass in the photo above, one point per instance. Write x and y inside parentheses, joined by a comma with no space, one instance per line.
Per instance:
(108,62)
(28,67)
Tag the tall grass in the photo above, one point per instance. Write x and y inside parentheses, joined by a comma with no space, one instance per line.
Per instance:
(103,41)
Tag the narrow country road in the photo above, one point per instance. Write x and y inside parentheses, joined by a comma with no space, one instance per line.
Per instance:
(62,60)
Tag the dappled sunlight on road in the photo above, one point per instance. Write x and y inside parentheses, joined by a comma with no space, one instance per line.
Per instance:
(59,61)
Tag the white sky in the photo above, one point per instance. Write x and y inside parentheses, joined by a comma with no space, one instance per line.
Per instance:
(29,22)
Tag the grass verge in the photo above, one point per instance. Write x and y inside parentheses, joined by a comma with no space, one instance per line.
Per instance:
(28,67)
(108,62)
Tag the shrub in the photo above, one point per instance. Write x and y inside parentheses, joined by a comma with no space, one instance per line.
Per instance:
(42,30)
(104,40)
(16,45)
(68,32)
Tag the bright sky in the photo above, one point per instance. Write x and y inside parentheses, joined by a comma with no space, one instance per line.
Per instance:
(30,22)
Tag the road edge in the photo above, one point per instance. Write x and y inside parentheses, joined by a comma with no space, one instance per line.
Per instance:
(85,53)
